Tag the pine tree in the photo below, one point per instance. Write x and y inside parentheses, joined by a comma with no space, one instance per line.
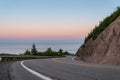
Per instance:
(34,50)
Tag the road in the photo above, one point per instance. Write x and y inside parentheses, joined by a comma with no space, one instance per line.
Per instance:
(62,69)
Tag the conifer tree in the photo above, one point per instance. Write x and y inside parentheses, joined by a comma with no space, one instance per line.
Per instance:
(34,50)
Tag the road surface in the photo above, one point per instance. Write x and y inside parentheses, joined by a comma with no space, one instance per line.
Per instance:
(62,69)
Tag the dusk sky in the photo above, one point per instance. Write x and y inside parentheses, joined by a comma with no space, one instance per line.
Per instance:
(52,19)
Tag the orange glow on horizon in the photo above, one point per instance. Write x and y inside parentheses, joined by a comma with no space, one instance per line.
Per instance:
(44,31)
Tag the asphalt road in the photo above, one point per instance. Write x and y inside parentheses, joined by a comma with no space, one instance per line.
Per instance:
(4,70)
(62,69)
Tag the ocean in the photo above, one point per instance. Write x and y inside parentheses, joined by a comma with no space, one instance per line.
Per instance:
(20,46)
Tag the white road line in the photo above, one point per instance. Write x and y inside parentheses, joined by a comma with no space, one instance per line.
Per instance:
(73,58)
(35,73)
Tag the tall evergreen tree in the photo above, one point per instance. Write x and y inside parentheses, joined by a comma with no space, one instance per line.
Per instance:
(34,50)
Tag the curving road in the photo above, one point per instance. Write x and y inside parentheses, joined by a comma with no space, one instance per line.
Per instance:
(62,69)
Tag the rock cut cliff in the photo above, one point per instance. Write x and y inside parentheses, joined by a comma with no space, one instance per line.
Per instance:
(105,48)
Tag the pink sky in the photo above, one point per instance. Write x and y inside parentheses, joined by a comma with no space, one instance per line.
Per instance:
(49,30)
(44,19)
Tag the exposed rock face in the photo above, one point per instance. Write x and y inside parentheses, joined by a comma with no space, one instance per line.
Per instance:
(105,48)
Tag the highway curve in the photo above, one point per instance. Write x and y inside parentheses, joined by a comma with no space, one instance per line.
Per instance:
(62,69)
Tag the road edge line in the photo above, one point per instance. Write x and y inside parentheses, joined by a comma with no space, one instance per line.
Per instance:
(73,59)
(35,73)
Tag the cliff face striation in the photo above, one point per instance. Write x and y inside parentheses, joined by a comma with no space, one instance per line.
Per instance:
(105,48)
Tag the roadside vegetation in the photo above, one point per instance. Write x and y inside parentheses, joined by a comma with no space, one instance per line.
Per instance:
(34,54)
(48,52)
(103,25)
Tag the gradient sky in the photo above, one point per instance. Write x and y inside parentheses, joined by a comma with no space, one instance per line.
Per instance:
(52,19)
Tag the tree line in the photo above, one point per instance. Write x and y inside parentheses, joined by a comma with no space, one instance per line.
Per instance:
(48,52)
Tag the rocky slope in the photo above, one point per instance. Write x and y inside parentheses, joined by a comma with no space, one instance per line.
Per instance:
(105,48)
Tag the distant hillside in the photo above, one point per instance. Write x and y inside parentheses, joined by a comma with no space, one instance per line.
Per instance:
(103,44)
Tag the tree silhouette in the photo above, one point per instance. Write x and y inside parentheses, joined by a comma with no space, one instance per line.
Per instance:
(49,50)
(60,51)
(34,50)
(27,52)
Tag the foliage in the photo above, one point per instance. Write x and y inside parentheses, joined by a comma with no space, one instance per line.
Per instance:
(48,52)
(27,52)
(103,25)
(66,53)
(34,50)
(60,51)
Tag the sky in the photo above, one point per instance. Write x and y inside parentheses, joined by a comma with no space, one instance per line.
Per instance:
(52,19)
